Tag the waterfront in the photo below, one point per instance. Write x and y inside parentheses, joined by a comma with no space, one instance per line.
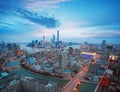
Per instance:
(59,46)
(24,72)
(60,82)
(84,87)
(33,50)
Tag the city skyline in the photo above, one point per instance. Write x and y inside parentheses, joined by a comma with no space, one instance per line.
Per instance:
(76,20)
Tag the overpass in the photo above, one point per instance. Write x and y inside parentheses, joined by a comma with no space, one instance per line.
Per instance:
(71,86)
(74,82)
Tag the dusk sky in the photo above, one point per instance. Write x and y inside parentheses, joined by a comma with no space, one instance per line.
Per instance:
(76,20)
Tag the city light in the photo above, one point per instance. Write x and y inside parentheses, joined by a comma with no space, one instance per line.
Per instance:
(59,46)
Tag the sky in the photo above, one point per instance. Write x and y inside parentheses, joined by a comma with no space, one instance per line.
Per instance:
(76,20)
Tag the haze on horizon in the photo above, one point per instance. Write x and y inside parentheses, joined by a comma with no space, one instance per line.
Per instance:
(76,20)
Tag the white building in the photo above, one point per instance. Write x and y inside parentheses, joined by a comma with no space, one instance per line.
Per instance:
(50,87)
(64,60)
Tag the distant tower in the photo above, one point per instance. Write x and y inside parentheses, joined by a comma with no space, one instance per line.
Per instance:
(43,38)
(3,44)
(10,46)
(53,38)
(103,44)
(43,41)
(58,36)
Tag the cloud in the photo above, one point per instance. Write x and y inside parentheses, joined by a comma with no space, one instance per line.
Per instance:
(6,29)
(105,34)
(80,30)
(33,18)
(17,8)
(48,22)
(108,23)
(39,32)
(43,4)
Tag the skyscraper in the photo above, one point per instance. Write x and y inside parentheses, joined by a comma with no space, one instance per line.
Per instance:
(58,36)
(43,41)
(64,60)
(53,38)
(103,44)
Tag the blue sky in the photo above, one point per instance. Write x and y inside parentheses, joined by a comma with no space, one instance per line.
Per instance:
(77,20)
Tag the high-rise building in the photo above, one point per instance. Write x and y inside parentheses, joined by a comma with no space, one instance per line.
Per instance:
(10,46)
(60,61)
(53,38)
(3,44)
(103,44)
(33,43)
(43,38)
(110,47)
(64,60)
(58,36)
(70,50)
(57,42)
(43,41)
(36,41)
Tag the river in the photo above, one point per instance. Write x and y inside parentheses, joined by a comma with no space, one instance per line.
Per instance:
(84,87)
(22,71)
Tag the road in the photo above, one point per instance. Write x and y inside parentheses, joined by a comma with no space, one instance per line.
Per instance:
(71,86)
(10,68)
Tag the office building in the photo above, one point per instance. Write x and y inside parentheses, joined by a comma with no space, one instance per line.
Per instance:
(30,84)
(60,61)
(64,60)
(43,41)
(70,50)
(53,38)
(58,36)
(103,44)
(50,87)
(88,55)
(26,84)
